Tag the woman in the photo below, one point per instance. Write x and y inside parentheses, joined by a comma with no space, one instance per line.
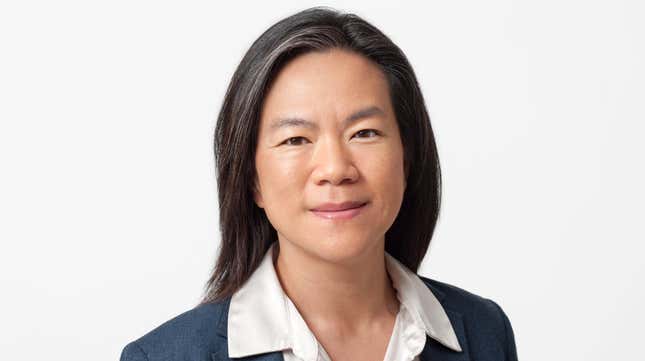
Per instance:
(329,191)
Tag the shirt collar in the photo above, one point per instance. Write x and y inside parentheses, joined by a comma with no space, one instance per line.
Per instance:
(261,316)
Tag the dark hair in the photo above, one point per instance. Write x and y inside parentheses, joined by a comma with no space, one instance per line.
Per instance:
(246,233)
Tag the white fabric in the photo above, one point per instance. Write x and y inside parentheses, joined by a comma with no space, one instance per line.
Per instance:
(262,318)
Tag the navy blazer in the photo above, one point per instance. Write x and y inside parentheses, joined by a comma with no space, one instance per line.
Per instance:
(482,327)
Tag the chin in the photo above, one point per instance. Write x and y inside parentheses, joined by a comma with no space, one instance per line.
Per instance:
(339,249)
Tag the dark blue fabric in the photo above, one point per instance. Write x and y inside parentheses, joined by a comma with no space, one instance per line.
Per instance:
(482,327)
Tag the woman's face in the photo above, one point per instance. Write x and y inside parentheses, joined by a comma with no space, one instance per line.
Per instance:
(328,134)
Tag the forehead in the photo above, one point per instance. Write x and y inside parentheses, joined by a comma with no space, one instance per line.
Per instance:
(335,82)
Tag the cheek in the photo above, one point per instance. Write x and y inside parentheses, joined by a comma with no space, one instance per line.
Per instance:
(282,180)
(385,175)
(385,169)
(279,179)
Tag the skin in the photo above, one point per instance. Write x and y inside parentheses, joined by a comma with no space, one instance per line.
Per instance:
(333,270)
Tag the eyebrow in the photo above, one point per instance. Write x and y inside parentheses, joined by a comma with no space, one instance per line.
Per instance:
(300,122)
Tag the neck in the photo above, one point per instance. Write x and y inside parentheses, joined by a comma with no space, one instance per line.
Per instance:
(351,298)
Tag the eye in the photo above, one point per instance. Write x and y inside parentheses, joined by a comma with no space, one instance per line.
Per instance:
(288,141)
(363,131)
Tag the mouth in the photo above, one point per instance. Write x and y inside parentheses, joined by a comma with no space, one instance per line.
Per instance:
(340,212)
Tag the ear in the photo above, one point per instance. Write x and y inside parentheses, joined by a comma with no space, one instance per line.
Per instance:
(406,173)
(257,194)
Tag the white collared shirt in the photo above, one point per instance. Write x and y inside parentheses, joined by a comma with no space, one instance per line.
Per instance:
(262,318)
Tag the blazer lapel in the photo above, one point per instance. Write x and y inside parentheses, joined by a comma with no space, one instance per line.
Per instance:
(434,351)
(222,355)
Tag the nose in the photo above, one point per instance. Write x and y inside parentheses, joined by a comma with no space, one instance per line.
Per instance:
(333,163)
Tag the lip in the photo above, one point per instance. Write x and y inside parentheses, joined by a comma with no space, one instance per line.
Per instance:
(327,207)
(345,210)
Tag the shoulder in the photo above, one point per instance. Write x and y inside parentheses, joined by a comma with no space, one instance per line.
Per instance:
(460,300)
(483,319)
(192,335)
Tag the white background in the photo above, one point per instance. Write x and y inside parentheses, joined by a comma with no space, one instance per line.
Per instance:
(108,203)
